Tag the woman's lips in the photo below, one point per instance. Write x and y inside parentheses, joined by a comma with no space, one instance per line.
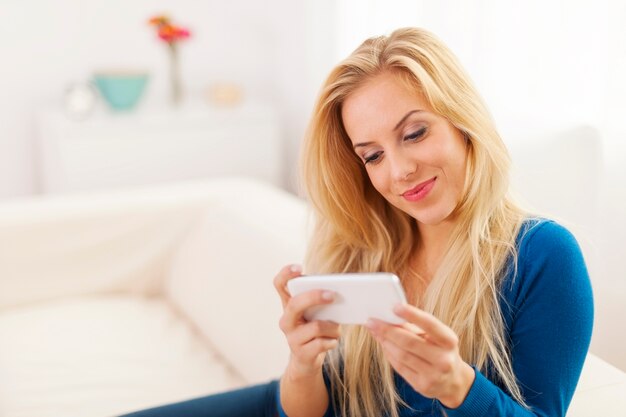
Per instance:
(420,190)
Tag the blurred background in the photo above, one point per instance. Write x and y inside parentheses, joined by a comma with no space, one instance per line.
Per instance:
(249,71)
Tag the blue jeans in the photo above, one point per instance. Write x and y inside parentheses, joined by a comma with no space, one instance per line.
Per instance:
(253,401)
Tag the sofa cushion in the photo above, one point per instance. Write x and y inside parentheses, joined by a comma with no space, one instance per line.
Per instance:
(222,274)
(101,356)
(600,391)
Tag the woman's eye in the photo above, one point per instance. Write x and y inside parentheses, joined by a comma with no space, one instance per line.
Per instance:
(416,135)
(372,158)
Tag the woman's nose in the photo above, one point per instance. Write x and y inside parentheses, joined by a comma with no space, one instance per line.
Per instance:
(401,165)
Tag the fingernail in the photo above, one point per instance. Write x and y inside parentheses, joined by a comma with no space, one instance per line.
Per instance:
(398,308)
(328,295)
(295,268)
(369,324)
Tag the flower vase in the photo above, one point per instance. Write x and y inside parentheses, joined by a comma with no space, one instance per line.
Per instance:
(176,92)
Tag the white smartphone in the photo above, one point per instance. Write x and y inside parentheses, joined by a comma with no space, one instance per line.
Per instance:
(358,296)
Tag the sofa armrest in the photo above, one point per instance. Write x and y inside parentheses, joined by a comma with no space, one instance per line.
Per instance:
(65,245)
(221,276)
(109,241)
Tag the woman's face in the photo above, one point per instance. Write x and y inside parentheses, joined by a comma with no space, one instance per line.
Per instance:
(415,158)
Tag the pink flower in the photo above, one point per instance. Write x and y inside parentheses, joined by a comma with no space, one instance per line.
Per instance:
(167,31)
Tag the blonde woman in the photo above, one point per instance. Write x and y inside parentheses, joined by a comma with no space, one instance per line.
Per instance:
(407,174)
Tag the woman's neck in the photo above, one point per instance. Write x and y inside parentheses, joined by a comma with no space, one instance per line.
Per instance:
(434,237)
(433,244)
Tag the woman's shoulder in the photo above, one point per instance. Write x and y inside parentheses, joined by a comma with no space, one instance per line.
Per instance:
(542,237)
(547,249)
(550,268)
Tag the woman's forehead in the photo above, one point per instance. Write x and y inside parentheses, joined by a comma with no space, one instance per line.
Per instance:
(380,103)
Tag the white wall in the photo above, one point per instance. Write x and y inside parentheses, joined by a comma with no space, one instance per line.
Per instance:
(276,49)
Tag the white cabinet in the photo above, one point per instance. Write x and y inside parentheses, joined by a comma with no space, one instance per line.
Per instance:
(154,145)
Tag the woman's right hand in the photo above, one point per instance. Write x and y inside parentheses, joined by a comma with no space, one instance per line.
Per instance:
(308,340)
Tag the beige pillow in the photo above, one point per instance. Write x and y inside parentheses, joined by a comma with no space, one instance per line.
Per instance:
(221,278)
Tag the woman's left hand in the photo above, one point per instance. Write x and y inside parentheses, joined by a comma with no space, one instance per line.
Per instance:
(427,357)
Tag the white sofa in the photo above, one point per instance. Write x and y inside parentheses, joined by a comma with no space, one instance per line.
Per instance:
(117,301)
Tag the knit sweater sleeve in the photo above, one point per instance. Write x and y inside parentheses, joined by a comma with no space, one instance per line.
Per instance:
(550,318)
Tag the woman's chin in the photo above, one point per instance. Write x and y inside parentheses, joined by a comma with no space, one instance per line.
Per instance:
(433,217)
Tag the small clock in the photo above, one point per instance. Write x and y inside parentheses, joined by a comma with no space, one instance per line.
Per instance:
(80,100)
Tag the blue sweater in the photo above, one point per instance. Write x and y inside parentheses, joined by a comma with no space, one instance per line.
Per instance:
(548,313)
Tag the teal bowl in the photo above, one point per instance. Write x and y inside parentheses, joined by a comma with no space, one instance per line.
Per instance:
(121,91)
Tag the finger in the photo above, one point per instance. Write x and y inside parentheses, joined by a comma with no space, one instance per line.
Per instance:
(408,374)
(435,330)
(312,330)
(408,340)
(280,281)
(405,361)
(380,326)
(296,306)
(312,349)
(413,328)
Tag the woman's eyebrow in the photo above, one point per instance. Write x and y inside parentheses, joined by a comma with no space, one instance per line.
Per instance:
(405,117)
(356,145)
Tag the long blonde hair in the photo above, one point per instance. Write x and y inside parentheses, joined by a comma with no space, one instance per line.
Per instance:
(357,230)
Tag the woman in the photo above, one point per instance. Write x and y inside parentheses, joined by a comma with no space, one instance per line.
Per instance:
(407,174)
